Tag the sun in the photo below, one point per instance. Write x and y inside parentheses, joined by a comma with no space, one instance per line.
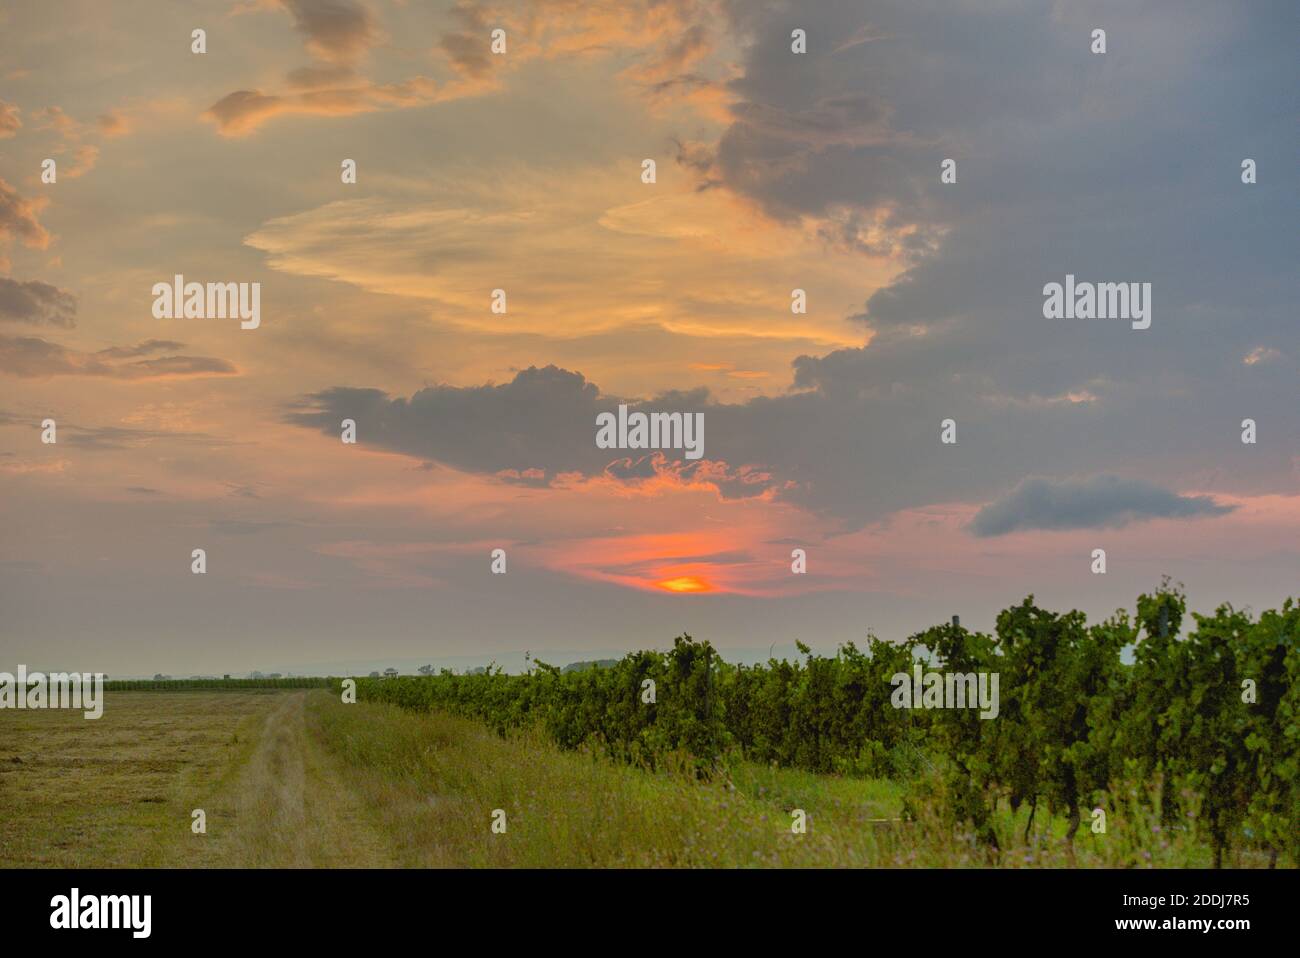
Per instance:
(686,583)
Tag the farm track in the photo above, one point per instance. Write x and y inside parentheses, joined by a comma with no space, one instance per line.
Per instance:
(289,806)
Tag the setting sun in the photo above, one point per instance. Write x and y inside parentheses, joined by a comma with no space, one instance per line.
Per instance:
(686,583)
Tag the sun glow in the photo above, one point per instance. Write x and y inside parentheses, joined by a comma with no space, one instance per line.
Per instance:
(686,583)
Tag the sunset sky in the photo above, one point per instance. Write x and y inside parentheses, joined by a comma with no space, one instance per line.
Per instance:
(523,171)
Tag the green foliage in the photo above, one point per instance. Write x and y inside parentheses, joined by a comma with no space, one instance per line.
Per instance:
(1076,724)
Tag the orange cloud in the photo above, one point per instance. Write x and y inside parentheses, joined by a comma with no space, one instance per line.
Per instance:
(666,42)
(84,159)
(9,122)
(590,251)
(54,118)
(18,219)
(74,133)
(242,112)
(338,34)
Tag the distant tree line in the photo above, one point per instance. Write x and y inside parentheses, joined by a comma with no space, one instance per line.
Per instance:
(172,685)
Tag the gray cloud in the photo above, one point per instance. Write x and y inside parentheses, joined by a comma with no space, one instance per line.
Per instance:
(165,366)
(529,431)
(30,357)
(467,53)
(960,333)
(536,421)
(855,439)
(336,30)
(37,303)
(140,349)
(1096,502)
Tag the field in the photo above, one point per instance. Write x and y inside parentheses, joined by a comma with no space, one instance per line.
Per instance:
(296,778)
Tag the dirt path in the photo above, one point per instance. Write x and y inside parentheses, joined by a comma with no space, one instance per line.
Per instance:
(288,807)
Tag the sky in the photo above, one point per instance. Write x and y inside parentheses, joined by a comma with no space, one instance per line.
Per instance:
(522,169)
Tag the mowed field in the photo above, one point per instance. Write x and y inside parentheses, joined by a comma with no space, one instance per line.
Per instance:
(295,778)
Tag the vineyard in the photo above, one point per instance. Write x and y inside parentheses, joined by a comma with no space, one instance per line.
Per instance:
(1197,727)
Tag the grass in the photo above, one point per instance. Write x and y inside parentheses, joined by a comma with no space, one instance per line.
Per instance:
(435,780)
(117,791)
(298,779)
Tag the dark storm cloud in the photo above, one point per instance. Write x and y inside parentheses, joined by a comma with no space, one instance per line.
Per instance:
(542,419)
(1119,167)
(530,430)
(1122,167)
(857,439)
(1097,502)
